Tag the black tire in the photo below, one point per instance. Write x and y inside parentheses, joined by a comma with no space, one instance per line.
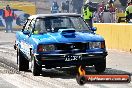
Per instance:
(22,62)
(100,66)
(35,68)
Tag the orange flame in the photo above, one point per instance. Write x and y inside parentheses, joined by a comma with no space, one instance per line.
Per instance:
(81,71)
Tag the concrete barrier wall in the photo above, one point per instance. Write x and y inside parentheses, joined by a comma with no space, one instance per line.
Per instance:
(117,36)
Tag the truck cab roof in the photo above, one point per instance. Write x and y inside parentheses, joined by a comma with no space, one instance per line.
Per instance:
(52,15)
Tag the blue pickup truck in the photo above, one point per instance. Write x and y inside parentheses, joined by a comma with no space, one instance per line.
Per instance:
(59,40)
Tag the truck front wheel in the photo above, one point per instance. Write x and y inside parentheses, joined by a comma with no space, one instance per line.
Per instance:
(35,68)
(22,62)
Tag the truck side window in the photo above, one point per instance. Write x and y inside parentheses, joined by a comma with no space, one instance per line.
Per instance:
(39,27)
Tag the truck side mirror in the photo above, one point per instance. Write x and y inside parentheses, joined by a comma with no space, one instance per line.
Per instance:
(94,29)
(26,32)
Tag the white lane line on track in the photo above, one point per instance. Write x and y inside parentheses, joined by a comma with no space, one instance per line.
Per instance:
(7,47)
(4,51)
(74,82)
(90,86)
(23,82)
(58,86)
(48,81)
(13,80)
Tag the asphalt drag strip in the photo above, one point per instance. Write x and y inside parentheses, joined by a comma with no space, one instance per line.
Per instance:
(117,63)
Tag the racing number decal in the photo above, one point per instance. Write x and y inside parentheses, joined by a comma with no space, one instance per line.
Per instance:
(73,58)
(25,47)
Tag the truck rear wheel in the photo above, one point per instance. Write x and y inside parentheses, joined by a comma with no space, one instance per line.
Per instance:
(100,66)
(22,62)
(35,68)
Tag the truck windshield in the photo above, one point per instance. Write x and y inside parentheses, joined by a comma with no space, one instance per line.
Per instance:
(53,24)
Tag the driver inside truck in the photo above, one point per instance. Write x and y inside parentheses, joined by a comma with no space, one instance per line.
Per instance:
(39,27)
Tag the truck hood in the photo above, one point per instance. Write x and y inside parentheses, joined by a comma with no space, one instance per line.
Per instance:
(50,38)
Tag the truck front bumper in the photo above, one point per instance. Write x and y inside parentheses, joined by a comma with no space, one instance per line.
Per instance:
(62,60)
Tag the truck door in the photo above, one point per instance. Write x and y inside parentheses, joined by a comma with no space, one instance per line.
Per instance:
(25,38)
